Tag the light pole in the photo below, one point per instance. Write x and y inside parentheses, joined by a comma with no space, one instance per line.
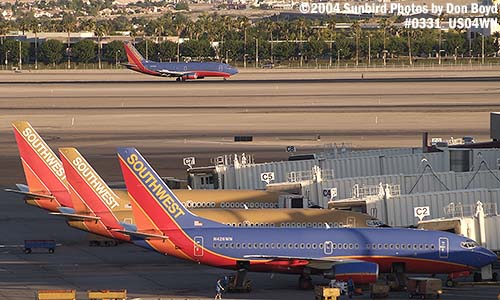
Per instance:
(456,54)
(36,45)
(482,49)
(6,58)
(245,48)
(338,57)
(385,57)
(439,55)
(227,56)
(178,51)
(369,50)
(256,53)
(20,56)
(331,54)
(116,57)
(409,49)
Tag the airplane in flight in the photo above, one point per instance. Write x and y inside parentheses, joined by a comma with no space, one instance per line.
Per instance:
(182,71)
(357,253)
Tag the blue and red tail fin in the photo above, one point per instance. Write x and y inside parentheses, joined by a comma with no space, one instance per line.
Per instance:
(135,59)
(153,195)
(90,194)
(42,168)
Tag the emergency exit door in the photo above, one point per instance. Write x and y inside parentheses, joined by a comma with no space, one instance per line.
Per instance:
(198,246)
(444,247)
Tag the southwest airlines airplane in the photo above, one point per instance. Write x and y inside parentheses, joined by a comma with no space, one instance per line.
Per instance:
(181,70)
(49,187)
(357,253)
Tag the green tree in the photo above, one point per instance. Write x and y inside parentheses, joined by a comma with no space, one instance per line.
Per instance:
(84,51)
(284,50)
(167,50)
(52,52)
(114,50)
(182,5)
(69,24)
(11,48)
(197,48)
(315,48)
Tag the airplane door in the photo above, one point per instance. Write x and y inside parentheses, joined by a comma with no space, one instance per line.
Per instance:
(198,246)
(328,247)
(220,68)
(444,247)
(351,222)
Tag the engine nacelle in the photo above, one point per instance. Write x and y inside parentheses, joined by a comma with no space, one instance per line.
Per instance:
(360,272)
(190,76)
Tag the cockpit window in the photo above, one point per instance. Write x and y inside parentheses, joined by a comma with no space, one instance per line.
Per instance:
(469,244)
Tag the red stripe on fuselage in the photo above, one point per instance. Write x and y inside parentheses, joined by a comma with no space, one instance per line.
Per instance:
(202,73)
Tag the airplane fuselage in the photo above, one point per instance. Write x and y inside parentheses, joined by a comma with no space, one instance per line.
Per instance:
(420,251)
(198,69)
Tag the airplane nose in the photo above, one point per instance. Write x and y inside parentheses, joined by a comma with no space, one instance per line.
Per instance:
(235,71)
(489,256)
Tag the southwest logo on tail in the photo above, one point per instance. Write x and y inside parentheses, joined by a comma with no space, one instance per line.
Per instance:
(97,206)
(87,189)
(42,168)
(343,253)
(182,71)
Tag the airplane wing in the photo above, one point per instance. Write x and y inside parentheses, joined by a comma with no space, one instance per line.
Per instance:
(169,73)
(142,235)
(313,263)
(31,195)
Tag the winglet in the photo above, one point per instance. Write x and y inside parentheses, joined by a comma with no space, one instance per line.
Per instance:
(42,168)
(153,195)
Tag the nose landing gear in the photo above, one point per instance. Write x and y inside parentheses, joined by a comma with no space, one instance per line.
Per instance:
(305,282)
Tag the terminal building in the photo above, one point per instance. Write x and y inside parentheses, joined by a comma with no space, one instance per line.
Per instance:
(449,179)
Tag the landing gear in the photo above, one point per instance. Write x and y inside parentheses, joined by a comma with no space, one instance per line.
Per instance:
(238,283)
(178,79)
(450,283)
(305,282)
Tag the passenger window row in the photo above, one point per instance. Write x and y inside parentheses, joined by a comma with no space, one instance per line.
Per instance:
(333,246)
(288,225)
(401,246)
(212,204)
(284,245)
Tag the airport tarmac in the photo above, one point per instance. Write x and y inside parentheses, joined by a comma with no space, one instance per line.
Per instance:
(145,274)
(98,111)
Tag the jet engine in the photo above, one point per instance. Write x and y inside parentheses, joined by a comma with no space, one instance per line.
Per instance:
(360,272)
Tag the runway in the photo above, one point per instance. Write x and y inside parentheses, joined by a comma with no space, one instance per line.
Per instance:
(98,111)
(269,81)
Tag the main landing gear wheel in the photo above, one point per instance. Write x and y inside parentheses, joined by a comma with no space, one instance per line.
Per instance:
(450,283)
(178,79)
(305,282)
